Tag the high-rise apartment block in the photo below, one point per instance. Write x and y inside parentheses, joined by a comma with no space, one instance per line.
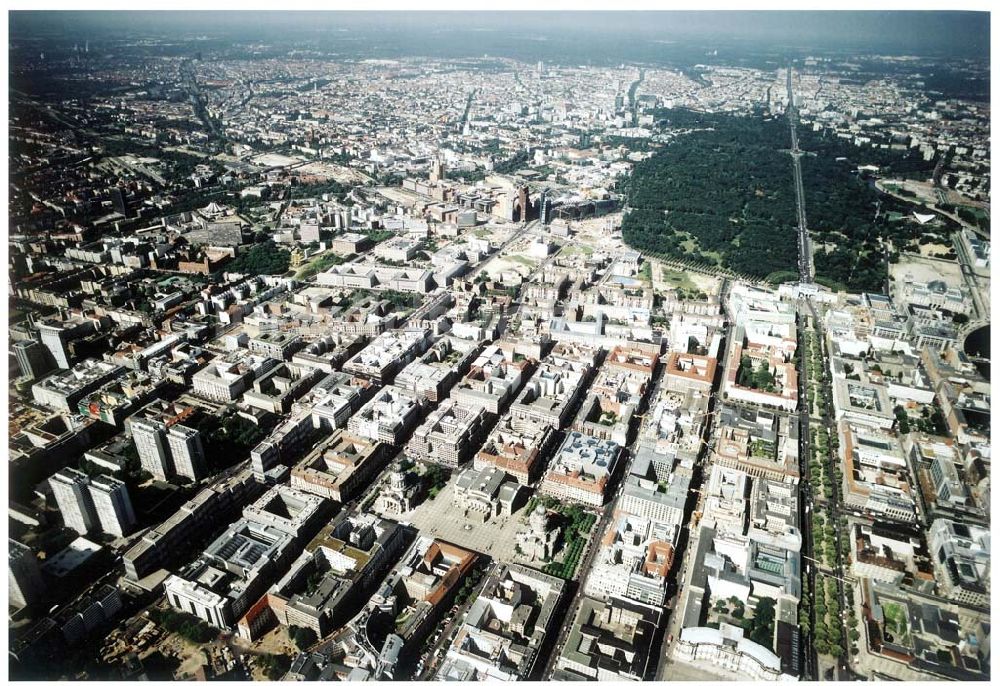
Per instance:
(24,581)
(186,451)
(165,446)
(112,505)
(32,358)
(98,505)
(69,487)
(150,443)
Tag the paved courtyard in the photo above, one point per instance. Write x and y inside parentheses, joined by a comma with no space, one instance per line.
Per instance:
(442,519)
(681,671)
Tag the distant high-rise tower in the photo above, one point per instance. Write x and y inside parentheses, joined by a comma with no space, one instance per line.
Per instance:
(32,358)
(540,68)
(524,202)
(86,47)
(437,170)
(69,487)
(186,451)
(113,505)
(54,338)
(544,207)
(118,199)
(24,581)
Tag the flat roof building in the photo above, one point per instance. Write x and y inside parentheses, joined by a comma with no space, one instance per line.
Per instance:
(449,435)
(339,467)
(581,469)
(505,628)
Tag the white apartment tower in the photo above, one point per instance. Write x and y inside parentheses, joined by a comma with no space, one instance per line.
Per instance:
(69,487)
(151,446)
(164,451)
(113,505)
(186,451)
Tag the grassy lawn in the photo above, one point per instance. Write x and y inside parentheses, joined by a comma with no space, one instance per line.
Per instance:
(319,264)
(521,259)
(577,248)
(678,279)
(896,623)
(713,255)
(782,276)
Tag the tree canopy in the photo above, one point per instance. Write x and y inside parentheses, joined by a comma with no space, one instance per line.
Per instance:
(721,193)
(264,258)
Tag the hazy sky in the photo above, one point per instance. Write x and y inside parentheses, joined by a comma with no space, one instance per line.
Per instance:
(958,32)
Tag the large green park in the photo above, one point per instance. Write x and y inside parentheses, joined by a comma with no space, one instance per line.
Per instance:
(721,193)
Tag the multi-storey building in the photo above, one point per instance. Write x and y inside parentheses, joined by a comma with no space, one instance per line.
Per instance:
(506,627)
(339,467)
(551,394)
(449,435)
(112,505)
(33,358)
(69,487)
(186,451)
(388,417)
(382,359)
(88,505)
(581,469)
(961,556)
(494,379)
(237,568)
(633,561)
(520,453)
(64,390)
(350,555)
(166,447)
(24,580)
